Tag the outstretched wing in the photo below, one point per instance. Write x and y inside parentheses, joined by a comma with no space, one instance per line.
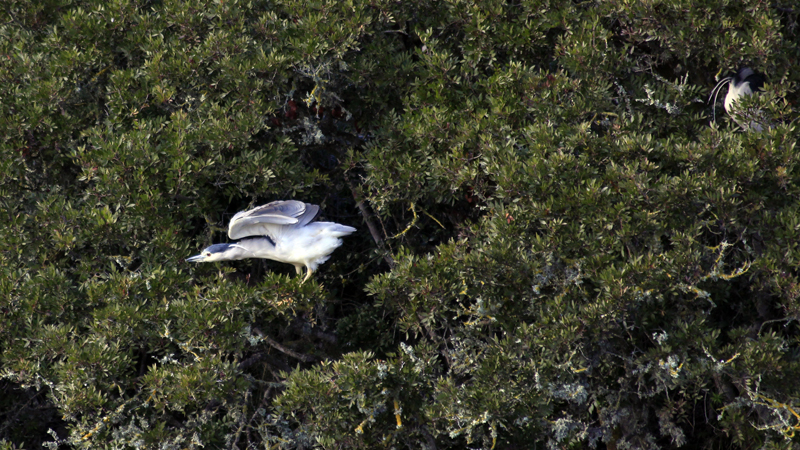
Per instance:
(272,219)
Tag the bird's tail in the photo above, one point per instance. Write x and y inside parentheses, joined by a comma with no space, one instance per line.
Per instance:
(339,230)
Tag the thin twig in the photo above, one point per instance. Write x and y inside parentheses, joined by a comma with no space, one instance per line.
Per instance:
(373,230)
(288,351)
(786,319)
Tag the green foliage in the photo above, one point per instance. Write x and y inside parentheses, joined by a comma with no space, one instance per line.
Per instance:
(557,246)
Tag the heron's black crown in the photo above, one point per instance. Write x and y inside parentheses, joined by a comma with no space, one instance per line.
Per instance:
(218,248)
(746,75)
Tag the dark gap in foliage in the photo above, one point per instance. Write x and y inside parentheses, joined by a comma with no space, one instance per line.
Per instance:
(26,415)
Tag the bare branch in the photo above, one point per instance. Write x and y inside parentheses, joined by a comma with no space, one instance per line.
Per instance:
(373,230)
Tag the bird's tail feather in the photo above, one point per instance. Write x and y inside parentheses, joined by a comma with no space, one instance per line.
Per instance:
(338,230)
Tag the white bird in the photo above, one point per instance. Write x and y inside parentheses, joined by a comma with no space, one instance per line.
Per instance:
(744,82)
(282,231)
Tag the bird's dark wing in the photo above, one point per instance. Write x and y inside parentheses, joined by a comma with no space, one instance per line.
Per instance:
(271,219)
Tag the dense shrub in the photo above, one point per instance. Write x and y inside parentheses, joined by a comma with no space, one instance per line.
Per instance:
(557,246)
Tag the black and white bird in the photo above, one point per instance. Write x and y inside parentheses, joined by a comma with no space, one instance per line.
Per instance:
(744,82)
(282,231)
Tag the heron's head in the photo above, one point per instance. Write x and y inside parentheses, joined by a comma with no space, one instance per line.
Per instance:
(744,83)
(742,75)
(219,252)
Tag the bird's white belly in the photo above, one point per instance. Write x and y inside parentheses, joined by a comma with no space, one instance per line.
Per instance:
(304,250)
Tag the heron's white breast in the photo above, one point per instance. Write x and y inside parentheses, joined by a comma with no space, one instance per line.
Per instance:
(305,245)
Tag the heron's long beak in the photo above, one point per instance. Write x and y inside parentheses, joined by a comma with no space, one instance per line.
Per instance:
(196,258)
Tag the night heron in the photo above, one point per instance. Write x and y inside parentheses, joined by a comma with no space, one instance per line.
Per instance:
(282,231)
(742,83)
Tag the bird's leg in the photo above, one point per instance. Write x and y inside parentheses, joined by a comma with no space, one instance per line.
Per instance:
(298,268)
(308,275)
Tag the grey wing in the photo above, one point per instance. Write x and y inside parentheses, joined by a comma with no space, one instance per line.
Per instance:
(271,219)
(311,213)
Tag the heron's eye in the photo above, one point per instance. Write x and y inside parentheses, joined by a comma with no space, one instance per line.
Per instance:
(208,254)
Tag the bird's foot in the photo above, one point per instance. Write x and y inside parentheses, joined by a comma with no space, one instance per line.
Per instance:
(308,275)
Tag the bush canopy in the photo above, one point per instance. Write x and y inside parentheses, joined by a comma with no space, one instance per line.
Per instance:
(561,243)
